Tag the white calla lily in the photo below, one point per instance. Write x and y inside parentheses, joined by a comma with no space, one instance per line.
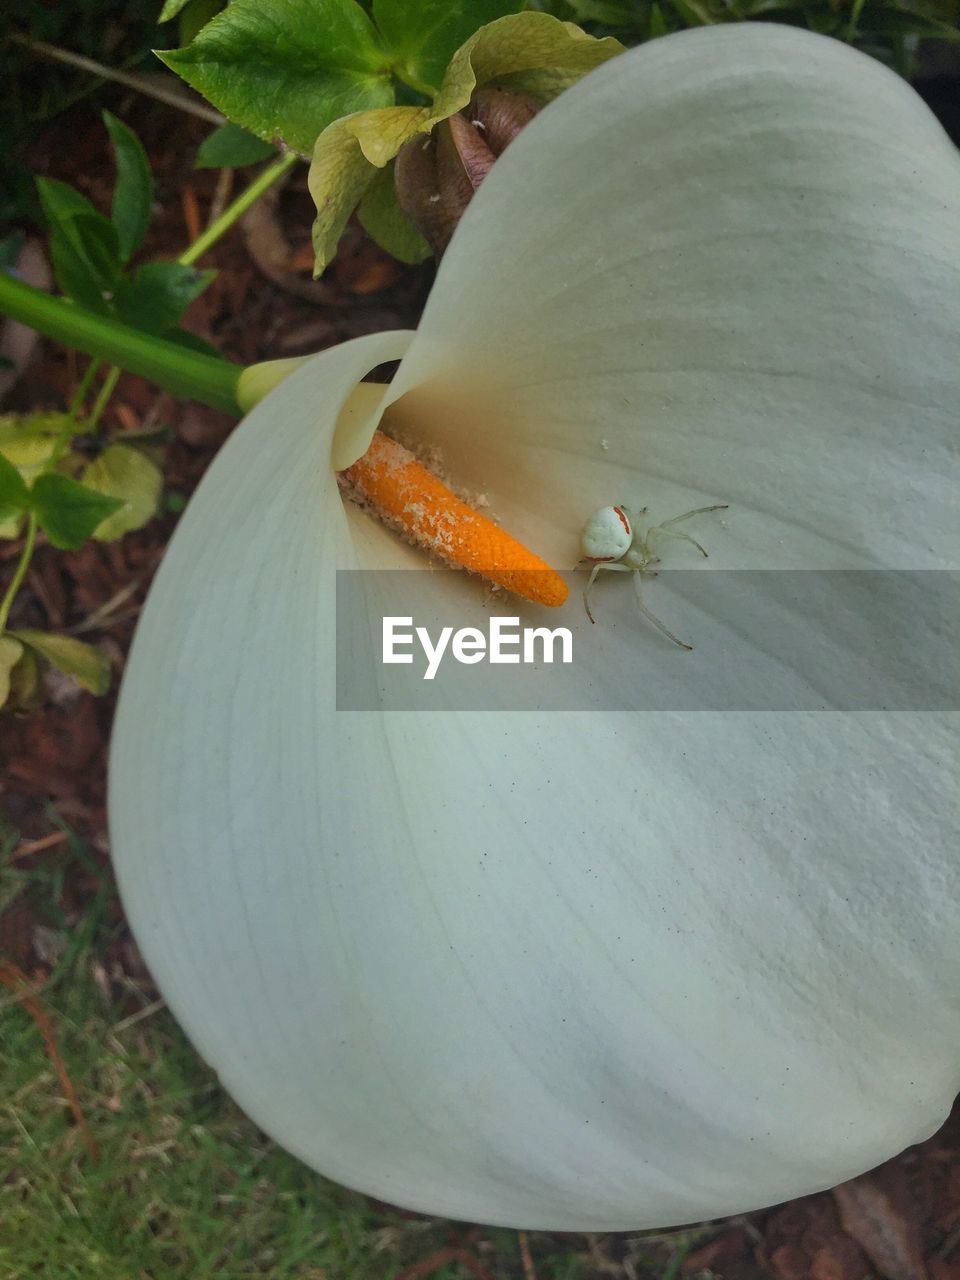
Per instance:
(586,970)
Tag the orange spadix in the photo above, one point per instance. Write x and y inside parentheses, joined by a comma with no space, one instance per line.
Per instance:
(407,494)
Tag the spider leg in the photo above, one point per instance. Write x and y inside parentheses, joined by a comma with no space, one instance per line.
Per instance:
(652,617)
(594,573)
(586,591)
(687,515)
(684,537)
(633,514)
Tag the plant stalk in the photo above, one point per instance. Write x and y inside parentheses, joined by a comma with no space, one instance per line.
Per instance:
(195,376)
(76,404)
(149,88)
(237,208)
(186,373)
(103,397)
(20,572)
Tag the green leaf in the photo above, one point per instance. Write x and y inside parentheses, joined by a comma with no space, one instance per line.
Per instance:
(84,247)
(88,665)
(30,441)
(76,275)
(133,193)
(171,8)
(71,214)
(423,35)
(126,474)
(893,22)
(339,176)
(285,70)
(156,295)
(658,26)
(349,152)
(611,14)
(69,512)
(14,494)
(194,16)
(695,13)
(231,147)
(11,651)
(24,679)
(60,201)
(380,217)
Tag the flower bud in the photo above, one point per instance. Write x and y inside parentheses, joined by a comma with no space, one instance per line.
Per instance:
(436,175)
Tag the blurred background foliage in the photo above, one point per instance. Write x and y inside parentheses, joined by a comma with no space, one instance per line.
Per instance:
(121,34)
(890,30)
(34,90)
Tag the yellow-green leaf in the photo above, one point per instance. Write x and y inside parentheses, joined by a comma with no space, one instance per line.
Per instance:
(14,494)
(339,175)
(127,474)
(87,664)
(24,691)
(530,51)
(521,42)
(545,83)
(382,132)
(29,441)
(11,651)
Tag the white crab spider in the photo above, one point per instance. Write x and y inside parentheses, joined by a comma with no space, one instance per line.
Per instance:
(611,540)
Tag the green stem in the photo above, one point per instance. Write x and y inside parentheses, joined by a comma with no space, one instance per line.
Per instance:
(187,373)
(412,81)
(103,395)
(237,208)
(76,404)
(20,572)
(234,211)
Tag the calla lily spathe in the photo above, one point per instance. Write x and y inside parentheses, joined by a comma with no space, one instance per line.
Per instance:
(603,970)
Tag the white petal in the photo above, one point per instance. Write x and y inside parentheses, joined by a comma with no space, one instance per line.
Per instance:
(578,971)
(563,970)
(725,267)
